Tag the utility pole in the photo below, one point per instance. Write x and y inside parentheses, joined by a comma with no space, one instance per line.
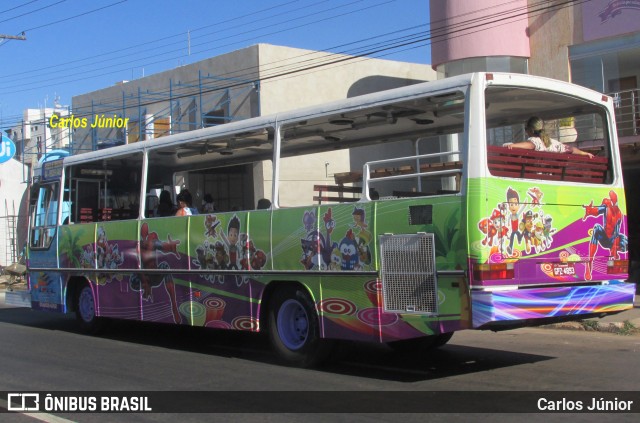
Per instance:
(21,37)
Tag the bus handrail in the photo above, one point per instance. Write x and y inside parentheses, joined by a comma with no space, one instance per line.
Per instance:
(366,169)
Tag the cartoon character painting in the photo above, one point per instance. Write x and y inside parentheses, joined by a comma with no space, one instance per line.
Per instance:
(538,240)
(226,251)
(221,257)
(108,256)
(317,248)
(536,195)
(526,228)
(349,252)
(607,236)
(151,252)
(519,223)
(515,210)
(492,227)
(319,252)
(363,235)
(231,241)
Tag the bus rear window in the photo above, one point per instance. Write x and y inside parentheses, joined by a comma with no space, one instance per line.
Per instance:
(535,134)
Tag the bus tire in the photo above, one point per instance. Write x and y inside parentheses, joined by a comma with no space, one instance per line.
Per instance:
(424,343)
(294,328)
(86,311)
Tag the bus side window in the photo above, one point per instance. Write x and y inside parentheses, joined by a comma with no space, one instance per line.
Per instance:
(105,189)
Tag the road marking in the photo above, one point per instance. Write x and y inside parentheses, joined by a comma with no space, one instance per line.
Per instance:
(43,417)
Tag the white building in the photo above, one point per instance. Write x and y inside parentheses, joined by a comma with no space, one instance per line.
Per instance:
(34,136)
(13,210)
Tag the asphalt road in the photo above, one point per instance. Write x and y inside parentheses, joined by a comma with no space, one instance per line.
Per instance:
(46,352)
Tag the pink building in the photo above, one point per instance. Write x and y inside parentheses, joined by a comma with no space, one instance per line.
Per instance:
(595,44)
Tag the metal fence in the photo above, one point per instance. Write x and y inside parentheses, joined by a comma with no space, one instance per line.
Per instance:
(627,106)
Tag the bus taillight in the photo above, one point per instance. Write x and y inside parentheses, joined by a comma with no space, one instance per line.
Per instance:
(617,266)
(486,271)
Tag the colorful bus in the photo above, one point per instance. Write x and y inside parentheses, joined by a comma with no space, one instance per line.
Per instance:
(397,217)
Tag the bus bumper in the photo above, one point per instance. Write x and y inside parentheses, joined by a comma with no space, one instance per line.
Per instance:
(538,306)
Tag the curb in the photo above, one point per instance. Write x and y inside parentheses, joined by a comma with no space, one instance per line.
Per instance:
(624,328)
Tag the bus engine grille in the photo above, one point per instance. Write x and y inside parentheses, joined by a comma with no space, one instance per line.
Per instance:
(409,273)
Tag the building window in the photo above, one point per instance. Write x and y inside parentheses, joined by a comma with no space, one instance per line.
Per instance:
(213,118)
(483,64)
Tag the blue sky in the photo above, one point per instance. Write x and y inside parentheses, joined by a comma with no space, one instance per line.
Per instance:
(77,46)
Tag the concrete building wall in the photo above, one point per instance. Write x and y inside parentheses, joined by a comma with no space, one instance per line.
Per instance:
(550,35)
(12,203)
(179,96)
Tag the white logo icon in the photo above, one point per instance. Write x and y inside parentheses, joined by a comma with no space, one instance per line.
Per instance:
(25,402)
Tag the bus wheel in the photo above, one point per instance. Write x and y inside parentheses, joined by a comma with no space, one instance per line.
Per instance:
(294,329)
(425,343)
(86,311)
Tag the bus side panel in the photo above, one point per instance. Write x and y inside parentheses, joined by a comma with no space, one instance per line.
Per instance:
(321,243)
(46,287)
(445,218)
(229,248)
(102,252)
(326,241)
(116,249)
(47,291)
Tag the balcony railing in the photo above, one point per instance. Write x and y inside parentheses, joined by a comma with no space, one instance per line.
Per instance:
(627,106)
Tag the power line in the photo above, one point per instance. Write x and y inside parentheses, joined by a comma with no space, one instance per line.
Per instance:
(19,6)
(156,54)
(399,43)
(147,43)
(75,16)
(34,11)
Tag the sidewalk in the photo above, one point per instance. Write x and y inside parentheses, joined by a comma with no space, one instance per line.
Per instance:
(625,323)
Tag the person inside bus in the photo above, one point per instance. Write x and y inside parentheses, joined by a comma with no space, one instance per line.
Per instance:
(208,206)
(263,204)
(184,204)
(539,140)
(165,205)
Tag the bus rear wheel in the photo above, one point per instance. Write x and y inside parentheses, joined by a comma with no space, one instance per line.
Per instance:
(294,328)
(86,311)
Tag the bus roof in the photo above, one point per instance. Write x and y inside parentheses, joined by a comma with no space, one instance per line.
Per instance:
(254,134)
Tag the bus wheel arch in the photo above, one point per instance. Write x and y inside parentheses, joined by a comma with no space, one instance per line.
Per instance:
(80,296)
(293,325)
(74,285)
